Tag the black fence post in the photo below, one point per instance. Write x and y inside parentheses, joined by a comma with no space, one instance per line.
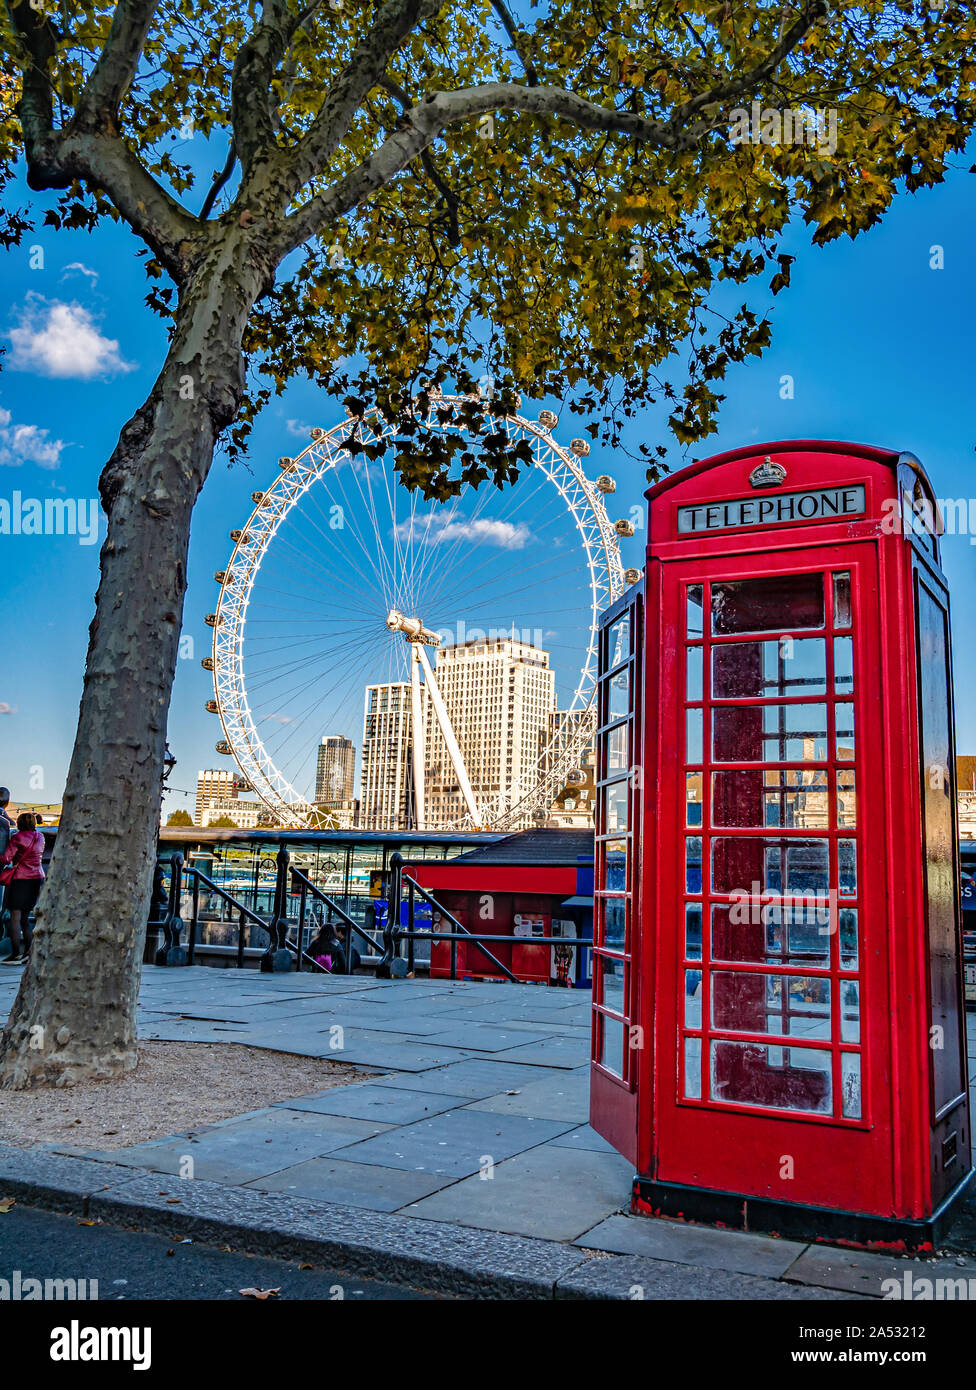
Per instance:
(158,912)
(172,952)
(277,958)
(390,965)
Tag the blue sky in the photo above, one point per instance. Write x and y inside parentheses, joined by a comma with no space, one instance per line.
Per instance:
(878,343)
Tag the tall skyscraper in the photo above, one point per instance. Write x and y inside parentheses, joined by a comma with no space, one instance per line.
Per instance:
(499,694)
(218,798)
(335,772)
(214,785)
(385,776)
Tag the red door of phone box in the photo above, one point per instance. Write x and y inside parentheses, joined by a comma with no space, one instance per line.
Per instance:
(779,1038)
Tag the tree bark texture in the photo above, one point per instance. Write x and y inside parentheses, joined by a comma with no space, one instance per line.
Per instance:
(74,1017)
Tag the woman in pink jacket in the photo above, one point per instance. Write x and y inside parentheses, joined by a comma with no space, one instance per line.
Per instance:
(24,884)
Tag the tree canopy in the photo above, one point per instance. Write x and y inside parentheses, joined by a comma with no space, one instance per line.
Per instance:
(546,200)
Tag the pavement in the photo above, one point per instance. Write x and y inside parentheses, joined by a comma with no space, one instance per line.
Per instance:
(465,1166)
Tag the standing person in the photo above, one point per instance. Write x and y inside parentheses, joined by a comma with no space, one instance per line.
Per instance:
(23,877)
(6,830)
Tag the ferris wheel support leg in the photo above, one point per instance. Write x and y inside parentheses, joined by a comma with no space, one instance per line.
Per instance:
(447,729)
(418,740)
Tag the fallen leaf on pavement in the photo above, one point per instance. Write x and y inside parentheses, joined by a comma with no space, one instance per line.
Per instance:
(260,1293)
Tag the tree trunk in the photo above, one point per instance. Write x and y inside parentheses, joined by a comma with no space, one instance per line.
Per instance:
(74,1017)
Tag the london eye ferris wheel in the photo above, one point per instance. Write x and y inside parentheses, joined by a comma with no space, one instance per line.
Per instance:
(343,580)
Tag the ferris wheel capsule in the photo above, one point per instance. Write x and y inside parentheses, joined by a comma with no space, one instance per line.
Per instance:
(548,419)
(623,527)
(237,536)
(632,576)
(286,464)
(257,498)
(214,619)
(316,432)
(223,747)
(605,483)
(219,576)
(208,663)
(579,447)
(212,707)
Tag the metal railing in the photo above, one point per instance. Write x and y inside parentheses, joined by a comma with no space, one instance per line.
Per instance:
(306,889)
(167,908)
(394,932)
(282,953)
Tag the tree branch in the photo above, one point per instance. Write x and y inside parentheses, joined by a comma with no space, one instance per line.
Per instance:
(424,122)
(98,105)
(36,40)
(105,162)
(219,179)
(810,11)
(395,21)
(254,68)
(433,173)
(518,40)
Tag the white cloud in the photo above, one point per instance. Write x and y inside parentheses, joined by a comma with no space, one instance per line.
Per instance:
(503,534)
(61,340)
(298,428)
(27,444)
(79,268)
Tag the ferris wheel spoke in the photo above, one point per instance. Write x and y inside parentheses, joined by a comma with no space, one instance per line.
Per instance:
(342,531)
(311,562)
(469,574)
(355,646)
(297,722)
(373,529)
(381,555)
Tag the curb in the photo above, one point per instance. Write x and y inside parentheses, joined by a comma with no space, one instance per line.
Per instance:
(434,1256)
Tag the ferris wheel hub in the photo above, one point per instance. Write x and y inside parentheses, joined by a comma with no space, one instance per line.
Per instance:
(412,628)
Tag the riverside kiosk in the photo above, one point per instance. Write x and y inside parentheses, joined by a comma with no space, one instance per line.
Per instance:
(778,1026)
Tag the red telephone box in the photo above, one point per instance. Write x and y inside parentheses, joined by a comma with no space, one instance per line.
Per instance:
(779,1039)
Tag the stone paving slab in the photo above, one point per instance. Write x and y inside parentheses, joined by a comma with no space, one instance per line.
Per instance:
(457,1142)
(240,1150)
(551,1052)
(861,1271)
(565,1096)
(632,1278)
(585,1138)
(734,1251)
(485,1038)
(387,1104)
(548,1192)
(354,1184)
(474,1078)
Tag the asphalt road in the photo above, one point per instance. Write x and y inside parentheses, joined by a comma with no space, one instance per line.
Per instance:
(138,1265)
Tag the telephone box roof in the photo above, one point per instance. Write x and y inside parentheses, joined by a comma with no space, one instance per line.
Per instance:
(788,446)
